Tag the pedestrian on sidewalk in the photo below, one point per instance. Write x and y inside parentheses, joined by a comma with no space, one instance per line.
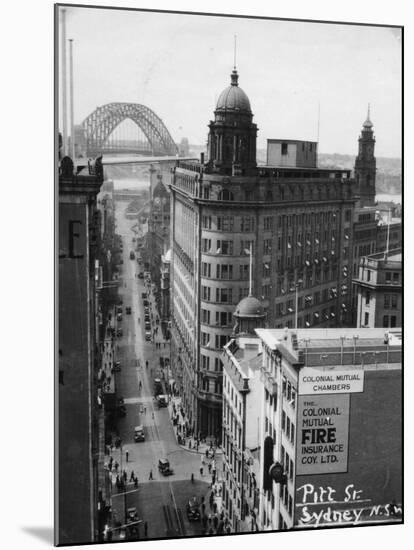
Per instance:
(192,478)
(127,455)
(201,471)
(132,477)
(116,466)
(145,529)
(136,482)
(150,475)
(209,467)
(125,476)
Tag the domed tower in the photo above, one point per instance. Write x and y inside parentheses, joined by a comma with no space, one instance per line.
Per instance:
(232,136)
(249,314)
(365,164)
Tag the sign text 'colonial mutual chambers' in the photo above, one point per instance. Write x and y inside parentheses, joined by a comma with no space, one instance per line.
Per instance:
(330,381)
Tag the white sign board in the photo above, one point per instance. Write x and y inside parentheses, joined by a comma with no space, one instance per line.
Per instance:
(328,381)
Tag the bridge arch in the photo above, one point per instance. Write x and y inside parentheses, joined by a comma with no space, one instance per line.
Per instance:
(99,125)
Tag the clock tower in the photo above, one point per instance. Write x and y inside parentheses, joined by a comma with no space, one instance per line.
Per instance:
(365,164)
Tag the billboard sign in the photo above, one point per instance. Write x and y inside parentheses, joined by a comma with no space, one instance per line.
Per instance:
(330,381)
(322,434)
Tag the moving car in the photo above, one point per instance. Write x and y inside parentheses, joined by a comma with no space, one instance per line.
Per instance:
(119,317)
(139,434)
(132,255)
(128,310)
(119,332)
(164,467)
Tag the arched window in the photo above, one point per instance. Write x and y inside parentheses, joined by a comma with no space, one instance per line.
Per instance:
(225,195)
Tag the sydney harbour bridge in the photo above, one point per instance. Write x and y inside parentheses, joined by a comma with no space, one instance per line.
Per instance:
(124,128)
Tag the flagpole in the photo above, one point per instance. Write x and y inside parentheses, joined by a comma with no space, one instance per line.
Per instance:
(250,270)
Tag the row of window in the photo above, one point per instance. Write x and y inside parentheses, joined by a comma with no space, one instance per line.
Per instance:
(219,341)
(223,318)
(247,223)
(223,295)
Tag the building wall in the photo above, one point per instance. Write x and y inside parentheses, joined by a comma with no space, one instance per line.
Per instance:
(373,478)
(76,508)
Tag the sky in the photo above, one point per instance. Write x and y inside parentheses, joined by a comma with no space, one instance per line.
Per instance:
(177,65)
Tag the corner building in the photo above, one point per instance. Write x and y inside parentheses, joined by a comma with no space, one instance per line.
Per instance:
(296,219)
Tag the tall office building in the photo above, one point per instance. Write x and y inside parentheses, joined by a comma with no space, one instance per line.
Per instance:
(79,420)
(296,219)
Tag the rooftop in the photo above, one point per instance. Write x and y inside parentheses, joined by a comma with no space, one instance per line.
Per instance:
(334,346)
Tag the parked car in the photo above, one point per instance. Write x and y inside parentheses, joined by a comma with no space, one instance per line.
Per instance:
(117,366)
(148,335)
(132,255)
(148,326)
(140,275)
(162,401)
(119,332)
(143,295)
(193,509)
(128,310)
(119,317)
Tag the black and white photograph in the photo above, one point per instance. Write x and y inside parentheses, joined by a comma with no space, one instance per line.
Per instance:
(229,275)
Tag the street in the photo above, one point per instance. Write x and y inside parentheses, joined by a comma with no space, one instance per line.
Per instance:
(161,502)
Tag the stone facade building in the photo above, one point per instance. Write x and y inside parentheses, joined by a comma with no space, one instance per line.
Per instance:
(298,222)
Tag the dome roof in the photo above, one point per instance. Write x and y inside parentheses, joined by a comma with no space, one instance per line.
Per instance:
(233,98)
(249,307)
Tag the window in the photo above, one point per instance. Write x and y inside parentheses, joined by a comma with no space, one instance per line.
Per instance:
(223,318)
(224,295)
(205,362)
(366,319)
(225,223)
(224,271)
(367,297)
(288,427)
(244,272)
(266,269)
(205,338)
(243,292)
(393,301)
(247,224)
(206,245)
(205,269)
(283,420)
(348,215)
(225,247)
(218,364)
(206,222)
(292,433)
(393,321)
(284,148)
(267,246)
(267,223)
(225,195)
(205,316)
(205,293)
(385,321)
(386,301)
(395,277)
(368,275)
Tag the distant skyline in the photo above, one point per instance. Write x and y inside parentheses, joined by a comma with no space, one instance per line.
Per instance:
(178,64)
